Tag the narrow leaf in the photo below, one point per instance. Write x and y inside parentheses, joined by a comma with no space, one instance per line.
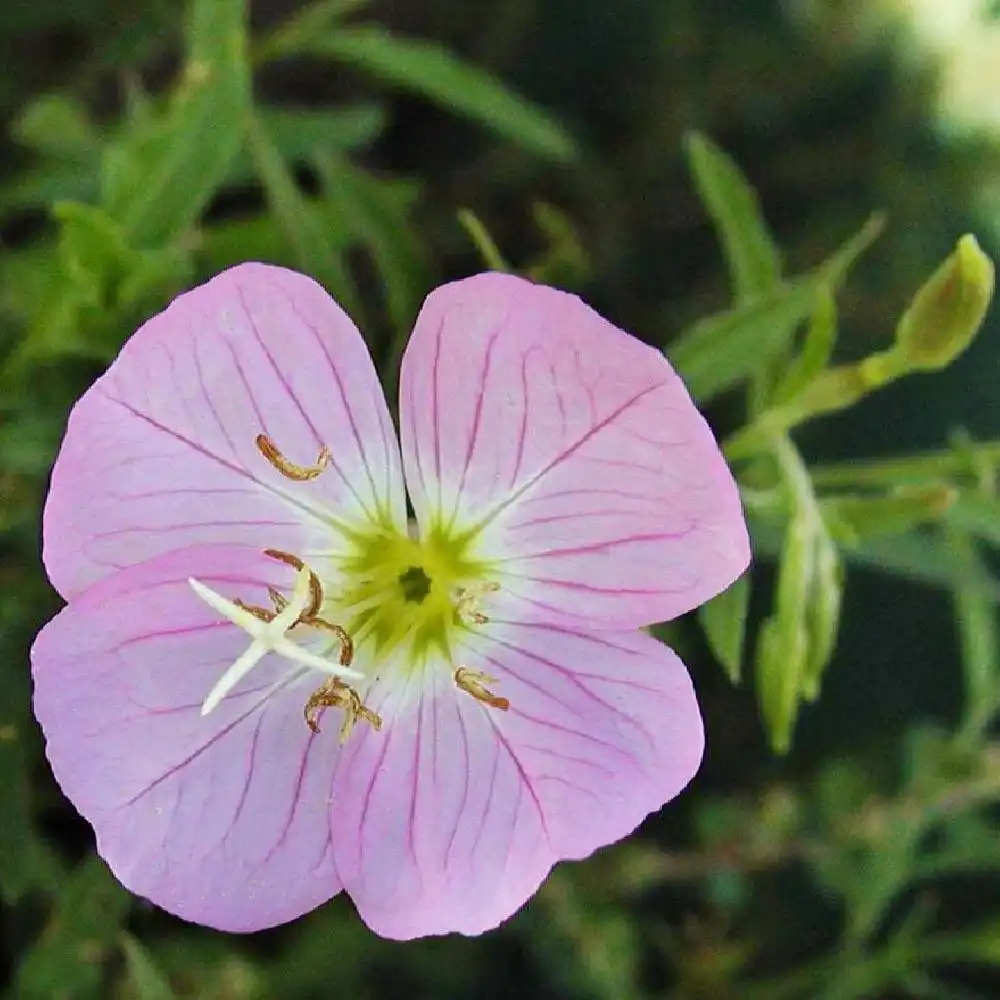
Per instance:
(146,980)
(377,214)
(162,174)
(724,621)
(308,237)
(723,350)
(751,254)
(433,72)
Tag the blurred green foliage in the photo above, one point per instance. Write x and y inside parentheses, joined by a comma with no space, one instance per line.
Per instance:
(149,145)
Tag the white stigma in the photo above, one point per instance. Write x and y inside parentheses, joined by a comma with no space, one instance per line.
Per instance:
(268,637)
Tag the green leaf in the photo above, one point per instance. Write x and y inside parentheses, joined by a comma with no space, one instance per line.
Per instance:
(50,182)
(724,621)
(298,133)
(753,259)
(817,348)
(146,980)
(723,350)
(25,861)
(293,35)
(377,213)
(822,620)
(307,234)
(92,247)
(57,126)
(66,961)
(161,174)
(433,72)
(260,238)
(564,261)
(978,514)
(489,252)
(979,641)
(851,518)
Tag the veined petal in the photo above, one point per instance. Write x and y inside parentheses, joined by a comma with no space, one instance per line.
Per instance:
(459,810)
(439,831)
(605,724)
(160,453)
(224,819)
(572,450)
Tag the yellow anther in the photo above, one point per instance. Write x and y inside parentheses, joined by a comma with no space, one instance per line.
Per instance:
(467,599)
(474,682)
(333,693)
(300,473)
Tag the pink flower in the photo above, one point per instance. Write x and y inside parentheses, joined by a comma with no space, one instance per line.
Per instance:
(428,720)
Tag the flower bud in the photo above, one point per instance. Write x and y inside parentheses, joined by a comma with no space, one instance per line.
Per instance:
(946,313)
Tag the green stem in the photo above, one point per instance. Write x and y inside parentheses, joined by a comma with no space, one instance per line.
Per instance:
(917,468)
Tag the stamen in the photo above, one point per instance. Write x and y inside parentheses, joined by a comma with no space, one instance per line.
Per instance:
(346,643)
(474,682)
(300,473)
(262,613)
(334,693)
(267,631)
(315,587)
(467,598)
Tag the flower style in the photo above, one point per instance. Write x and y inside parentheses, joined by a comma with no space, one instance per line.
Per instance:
(267,686)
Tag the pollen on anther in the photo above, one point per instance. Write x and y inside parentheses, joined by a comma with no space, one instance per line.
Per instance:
(315,586)
(474,682)
(290,470)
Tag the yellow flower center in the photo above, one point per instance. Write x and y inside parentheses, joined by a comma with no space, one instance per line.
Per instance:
(411,595)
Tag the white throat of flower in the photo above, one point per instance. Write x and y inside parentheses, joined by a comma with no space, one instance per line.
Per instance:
(268,637)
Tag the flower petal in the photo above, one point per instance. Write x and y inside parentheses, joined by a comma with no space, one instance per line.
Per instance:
(160,453)
(573,449)
(221,819)
(444,834)
(605,724)
(460,810)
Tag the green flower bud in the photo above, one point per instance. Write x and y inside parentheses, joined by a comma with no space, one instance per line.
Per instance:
(946,313)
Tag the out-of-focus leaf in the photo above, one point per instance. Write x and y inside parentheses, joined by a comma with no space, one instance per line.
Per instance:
(99,291)
(261,237)
(25,860)
(298,133)
(977,513)
(822,612)
(51,182)
(292,35)
(57,126)
(564,261)
(723,350)
(489,252)
(307,235)
(751,254)
(979,944)
(162,173)
(724,620)
(433,72)
(783,641)
(915,556)
(92,247)
(145,979)
(67,960)
(979,641)
(851,518)
(377,213)
(817,348)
